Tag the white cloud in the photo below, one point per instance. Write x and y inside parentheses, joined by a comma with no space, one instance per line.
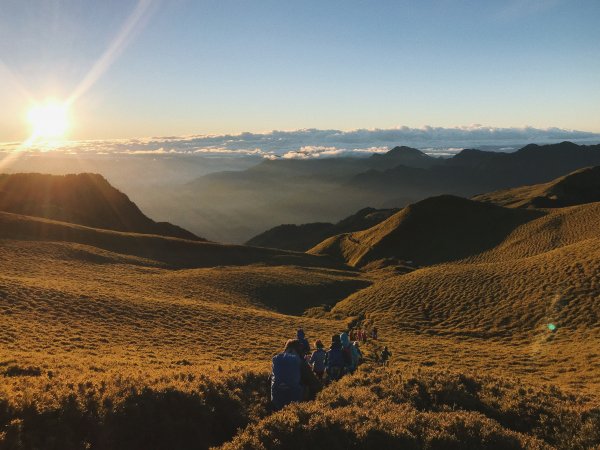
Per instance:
(313,143)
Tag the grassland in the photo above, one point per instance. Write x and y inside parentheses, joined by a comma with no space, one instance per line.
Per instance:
(121,340)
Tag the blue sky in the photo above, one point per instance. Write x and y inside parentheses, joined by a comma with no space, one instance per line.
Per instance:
(227,66)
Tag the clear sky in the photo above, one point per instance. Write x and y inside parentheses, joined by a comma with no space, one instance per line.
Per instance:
(225,66)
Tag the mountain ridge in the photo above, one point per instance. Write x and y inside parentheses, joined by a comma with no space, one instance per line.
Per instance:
(84,199)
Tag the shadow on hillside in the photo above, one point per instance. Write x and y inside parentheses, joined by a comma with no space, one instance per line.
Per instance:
(145,419)
(176,253)
(303,297)
(446,228)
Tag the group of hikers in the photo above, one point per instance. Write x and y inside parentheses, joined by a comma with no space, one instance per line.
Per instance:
(298,373)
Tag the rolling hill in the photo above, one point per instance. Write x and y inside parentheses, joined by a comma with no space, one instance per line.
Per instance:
(115,339)
(303,237)
(581,186)
(84,199)
(439,229)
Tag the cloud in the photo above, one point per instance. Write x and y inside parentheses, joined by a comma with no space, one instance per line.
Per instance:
(314,143)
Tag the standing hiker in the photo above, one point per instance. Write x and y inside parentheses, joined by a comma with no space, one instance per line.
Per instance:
(305,345)
(334,359)
(385,356)
(286,376)
(350,353)
(292,379)
(317,360)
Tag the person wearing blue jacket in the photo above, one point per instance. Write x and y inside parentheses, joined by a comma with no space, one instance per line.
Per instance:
(286,372)
(292,379)
(317,360)
(351,353)
(334,359)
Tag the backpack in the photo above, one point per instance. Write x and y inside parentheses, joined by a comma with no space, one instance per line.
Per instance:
(335,358)
(286,369)
(318,359)
(347,354)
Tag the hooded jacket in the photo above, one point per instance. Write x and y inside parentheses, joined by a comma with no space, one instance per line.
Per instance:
(349,349)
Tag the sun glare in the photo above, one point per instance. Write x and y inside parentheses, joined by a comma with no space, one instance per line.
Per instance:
(49,120)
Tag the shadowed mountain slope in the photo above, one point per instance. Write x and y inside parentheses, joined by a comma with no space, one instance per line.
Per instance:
(435,230)
(581,186)
(166,250)
(303,237)
(84,199)
(473,171)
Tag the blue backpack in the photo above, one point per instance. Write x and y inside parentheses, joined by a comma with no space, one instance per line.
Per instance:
(285,380)
(335,358)
(318,360)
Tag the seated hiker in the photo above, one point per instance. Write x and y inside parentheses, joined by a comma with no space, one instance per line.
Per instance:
(385,356)
(317,360)
(305,349)
(334,359)
(286,376)
(350,353)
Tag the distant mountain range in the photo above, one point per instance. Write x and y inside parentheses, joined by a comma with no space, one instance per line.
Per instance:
(83,199)
(237,205)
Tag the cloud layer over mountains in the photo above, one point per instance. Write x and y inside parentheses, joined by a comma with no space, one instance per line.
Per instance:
(311,143)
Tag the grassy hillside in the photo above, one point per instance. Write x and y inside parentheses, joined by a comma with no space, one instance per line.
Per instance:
(435,230)
(503,302)
(117,340)
(84,199)
(424,409)
(167,250)
(304,237)
(581,186)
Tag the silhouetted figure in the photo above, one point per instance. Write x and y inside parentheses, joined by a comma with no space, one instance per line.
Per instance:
(385,356)
(374,334)
(305,345)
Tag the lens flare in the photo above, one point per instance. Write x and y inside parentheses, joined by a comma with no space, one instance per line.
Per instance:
(551,327)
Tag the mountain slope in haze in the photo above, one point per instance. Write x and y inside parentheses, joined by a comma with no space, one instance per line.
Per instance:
(235,206)
(471,172)
(581,186)
(435,230)
(84,199)
(303,237)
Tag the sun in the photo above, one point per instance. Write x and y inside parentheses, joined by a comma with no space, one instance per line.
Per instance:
(49,120)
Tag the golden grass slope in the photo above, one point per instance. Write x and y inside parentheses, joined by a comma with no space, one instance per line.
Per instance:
(494,310)
(435,230)
(166,250)
(581,186)
(70,305)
